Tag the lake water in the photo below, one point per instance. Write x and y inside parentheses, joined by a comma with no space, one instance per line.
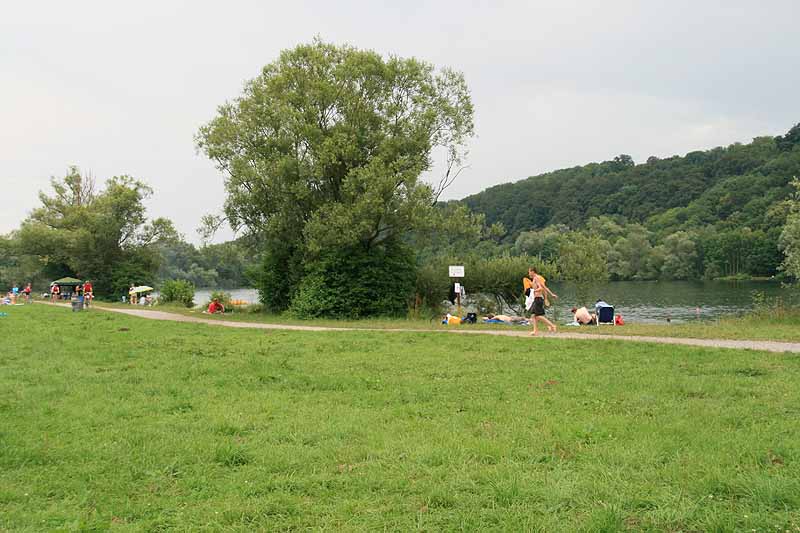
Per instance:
(680,301)
(639,301)
(202,296)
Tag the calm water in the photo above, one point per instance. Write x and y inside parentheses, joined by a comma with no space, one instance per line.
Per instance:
(680,301)
(202,296)
(640,301)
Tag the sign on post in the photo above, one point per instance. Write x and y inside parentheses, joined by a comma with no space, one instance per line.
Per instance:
(456,271)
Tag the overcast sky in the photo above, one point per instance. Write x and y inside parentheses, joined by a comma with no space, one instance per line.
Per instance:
(122,89)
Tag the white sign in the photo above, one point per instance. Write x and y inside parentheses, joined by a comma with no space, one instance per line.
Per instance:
(457,288)
(456,271)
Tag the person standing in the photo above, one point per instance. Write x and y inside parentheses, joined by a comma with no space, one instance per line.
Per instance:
(27,292)
(535,291)
(55,291)
(88,293)
(132,295)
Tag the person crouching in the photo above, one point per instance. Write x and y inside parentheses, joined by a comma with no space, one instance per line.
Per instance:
(215,307)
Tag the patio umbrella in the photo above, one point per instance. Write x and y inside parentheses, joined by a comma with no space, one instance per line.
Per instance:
(141,288)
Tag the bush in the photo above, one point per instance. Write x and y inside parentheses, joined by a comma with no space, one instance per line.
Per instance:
(499,278)
(356,283)
(277,275)
(178,290)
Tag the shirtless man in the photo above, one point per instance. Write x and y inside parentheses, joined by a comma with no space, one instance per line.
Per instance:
(584,317)
(534,286)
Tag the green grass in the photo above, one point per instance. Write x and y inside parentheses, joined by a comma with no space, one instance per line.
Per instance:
(113,422)
(775,327)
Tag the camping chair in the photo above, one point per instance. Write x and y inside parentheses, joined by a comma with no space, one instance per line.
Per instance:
(605,315)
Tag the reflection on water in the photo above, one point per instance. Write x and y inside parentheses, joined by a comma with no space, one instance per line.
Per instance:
(678,301)
(637,301)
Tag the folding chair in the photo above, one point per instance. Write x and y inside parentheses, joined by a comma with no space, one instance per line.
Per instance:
(605,315)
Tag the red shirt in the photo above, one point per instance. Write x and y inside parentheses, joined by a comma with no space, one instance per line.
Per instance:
(56,289)
(215,307)
(87,287)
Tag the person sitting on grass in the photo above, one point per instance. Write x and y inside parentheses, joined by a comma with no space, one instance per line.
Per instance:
(584,317)
(215,307)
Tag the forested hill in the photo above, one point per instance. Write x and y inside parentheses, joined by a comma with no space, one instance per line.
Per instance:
(738,186)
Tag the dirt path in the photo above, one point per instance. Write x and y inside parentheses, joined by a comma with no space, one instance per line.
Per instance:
(769,346)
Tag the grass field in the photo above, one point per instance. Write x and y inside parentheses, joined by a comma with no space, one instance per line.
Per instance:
(112,422)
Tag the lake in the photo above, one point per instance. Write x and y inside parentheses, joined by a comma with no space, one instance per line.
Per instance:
(202,296)
(680,301)
(649,302)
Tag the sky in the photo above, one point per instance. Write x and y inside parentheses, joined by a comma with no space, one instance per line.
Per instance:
(122,88)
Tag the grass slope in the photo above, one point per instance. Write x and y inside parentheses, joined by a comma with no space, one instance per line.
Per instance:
(111,422)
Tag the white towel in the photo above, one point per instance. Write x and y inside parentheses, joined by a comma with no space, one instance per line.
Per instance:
(529,300)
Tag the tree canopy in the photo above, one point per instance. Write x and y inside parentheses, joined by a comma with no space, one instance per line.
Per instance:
(102,235)
(323,154)
(713,213)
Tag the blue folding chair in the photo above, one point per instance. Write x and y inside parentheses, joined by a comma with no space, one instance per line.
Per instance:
(605,315)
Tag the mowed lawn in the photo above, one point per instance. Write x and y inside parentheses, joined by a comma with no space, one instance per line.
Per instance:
(111,422)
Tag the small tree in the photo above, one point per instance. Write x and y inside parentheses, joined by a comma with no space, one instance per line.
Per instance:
(582,259)
(179,290)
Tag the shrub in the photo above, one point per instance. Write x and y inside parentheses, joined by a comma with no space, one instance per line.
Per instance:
(178,290)
(357,282)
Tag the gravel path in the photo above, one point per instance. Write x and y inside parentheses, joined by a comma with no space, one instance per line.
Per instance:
(769,346)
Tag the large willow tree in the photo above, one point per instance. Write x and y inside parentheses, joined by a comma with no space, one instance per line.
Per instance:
(323,154)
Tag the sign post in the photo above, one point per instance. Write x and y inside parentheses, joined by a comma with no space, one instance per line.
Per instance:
(457,271)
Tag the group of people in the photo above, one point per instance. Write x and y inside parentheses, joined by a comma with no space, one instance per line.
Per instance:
(584,318)
(134,298)
(15,295)
(537,300)
(82,291)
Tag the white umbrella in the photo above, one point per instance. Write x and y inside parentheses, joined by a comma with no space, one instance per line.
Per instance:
(141,288)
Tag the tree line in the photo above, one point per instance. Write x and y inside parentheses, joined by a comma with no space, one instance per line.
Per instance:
(103,233)
(716,213)
(323,154)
